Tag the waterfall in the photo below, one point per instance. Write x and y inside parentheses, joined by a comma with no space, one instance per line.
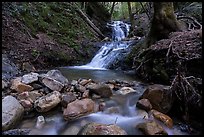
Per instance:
(110,50)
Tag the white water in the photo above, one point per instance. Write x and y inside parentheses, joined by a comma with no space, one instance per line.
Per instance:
(110,50)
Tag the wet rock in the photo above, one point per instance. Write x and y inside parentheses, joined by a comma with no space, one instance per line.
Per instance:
(67,98)
(101,129)
(16,132)
(29,78)
(163,118)
(102,90)
(74,82)
(126,90)
(85,94)
(18,86)
(151,128)
(101,106)
(78,108)
(112,110)
(144,104)
(28,106)
(73,130)
(12,112)
(40,122)
(159,96)
(142,113)
(46,103)
(57,75)
(31,96)
(52,84)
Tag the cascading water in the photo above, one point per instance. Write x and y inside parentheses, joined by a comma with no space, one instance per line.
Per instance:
(110,50)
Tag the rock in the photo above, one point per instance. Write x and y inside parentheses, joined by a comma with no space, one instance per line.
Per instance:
(52,84)
(126,90)
(18,86)
(151,128)
(85,94)
(31,96)
(57,75)
(12,112)
(40,122)
(4,84)
(67,98)
(112,110)
(101,129)
(142,113)
(79,88)
(163,118)
(78,108)
(46,103)
(29,78)
(73,130)
(28,67)
(28,106)
(159,96)
(144,104)
(16,132)
(102,90)
(36,86)
(9,69)
(83,82)
(74,82)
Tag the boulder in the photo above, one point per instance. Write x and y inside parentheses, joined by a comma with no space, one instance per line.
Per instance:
(163,118)
(40,122)
(78,108)
(142,113)
(144,104)
(12,112)
(46,103)
(18,86)
(67,98)
(79,88)
(101,129)
(30,78)
(126,90)
(102,90)
(151,128)
(31,96)
(57,75)
(52,84)
(159,96)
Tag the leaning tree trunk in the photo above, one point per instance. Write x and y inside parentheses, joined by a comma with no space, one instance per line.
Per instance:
(164,22)
(131,16)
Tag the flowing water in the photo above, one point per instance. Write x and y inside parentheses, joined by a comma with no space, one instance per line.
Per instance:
(127,116)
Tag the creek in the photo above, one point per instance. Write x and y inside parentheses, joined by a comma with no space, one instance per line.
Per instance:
(124,114)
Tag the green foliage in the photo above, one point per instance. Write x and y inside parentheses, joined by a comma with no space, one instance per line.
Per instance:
(58,19)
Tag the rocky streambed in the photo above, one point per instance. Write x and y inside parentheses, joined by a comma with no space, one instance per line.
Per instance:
(49,103)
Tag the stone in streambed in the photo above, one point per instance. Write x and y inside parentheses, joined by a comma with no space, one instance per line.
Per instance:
(12,112)
(144,104)
(18,86)
(52,84)
(101,129)
(67,98)
(151,128)
(79,108)
(30,78)
(102,90)
(163,118)
(46,103)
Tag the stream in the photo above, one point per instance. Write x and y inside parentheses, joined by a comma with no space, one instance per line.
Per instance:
(125,114)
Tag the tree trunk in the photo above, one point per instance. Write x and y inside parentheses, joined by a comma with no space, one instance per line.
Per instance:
(164,22)
(131,16)
(89,22)
(112,9)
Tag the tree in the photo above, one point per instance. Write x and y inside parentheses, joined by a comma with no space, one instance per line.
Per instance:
(131,15)
(112,9)
(164,22)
